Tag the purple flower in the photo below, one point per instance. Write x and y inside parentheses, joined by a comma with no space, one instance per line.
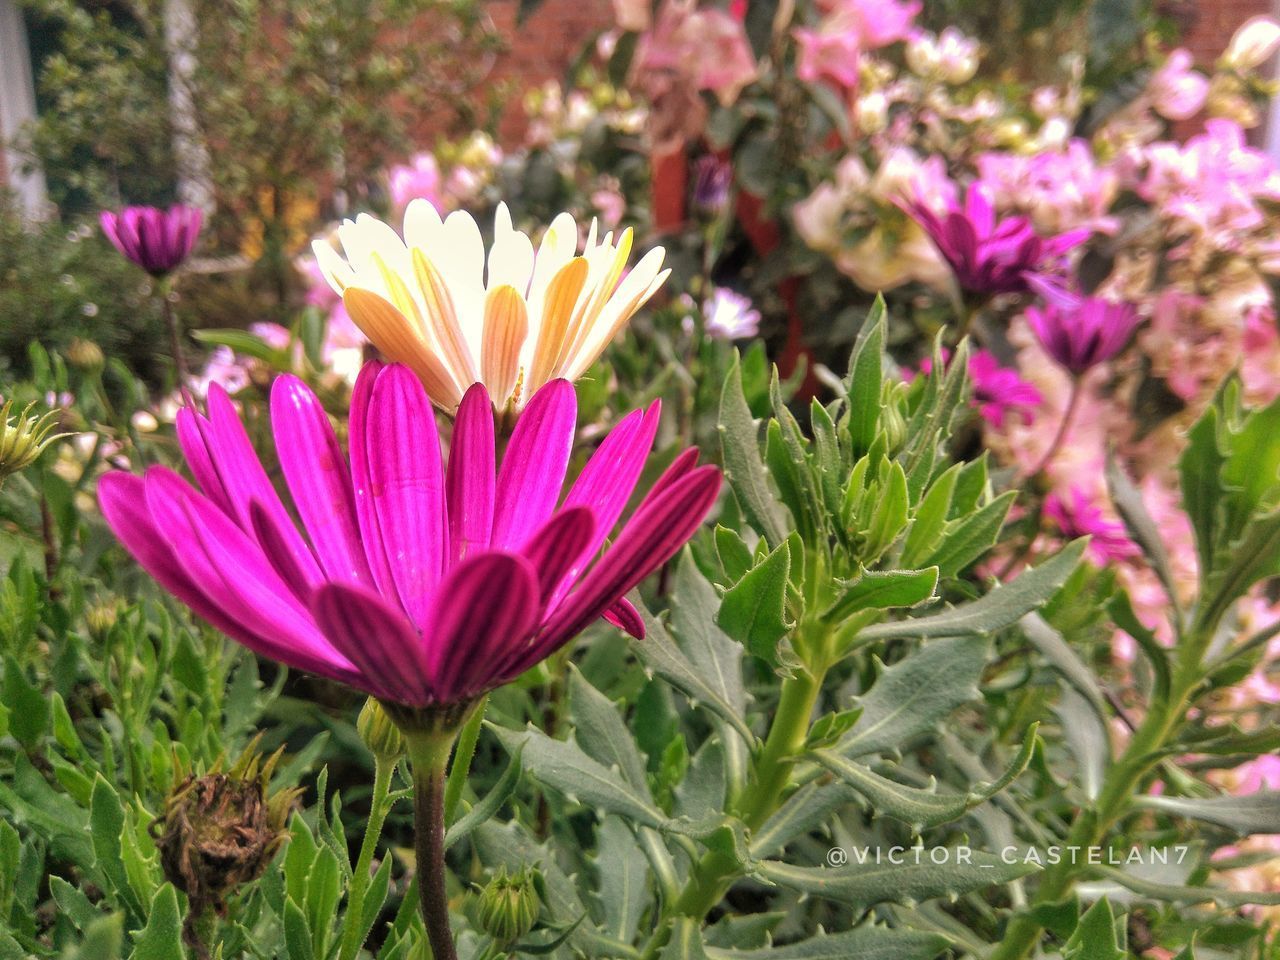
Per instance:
(156,240)
(422,584)
(1077,516)
(998,390)
(730,315)
(711,179)
(990,255)
(1081,334)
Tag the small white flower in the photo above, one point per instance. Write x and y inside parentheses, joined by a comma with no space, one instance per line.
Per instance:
(730,315)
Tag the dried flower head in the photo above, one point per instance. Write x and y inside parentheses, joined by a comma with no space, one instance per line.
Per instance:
(24,437)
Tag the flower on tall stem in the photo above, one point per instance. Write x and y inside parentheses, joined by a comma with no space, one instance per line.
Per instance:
(1079,333)
(159,241)
(989,254)
(513,320)
(423,584)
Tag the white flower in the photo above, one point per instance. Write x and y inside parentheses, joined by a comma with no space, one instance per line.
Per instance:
(730,315)
(1253,44)
(512,320)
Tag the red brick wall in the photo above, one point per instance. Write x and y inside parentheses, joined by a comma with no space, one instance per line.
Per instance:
(1212,23)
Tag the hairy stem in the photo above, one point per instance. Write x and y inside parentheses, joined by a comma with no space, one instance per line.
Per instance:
(353,928)
(429,757)
(1068,415)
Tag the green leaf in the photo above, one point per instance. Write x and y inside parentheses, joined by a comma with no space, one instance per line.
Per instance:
(1003,606)
(743,467)
(864,380)
(1200,468)
(622,880)
(882,590)
(244,343)
(753,611)
(914,694)
(102,941)
(862,882)
(865,943)
(930,519)
(1175,893)
(600,732)
(804,811)
(916,807)
(1142,529)
(889,514)
(161,939)
(1085,732)
(28,708)
(1252,813)
(694,606)
(735,556)
(297,935)
(1064,659)
(663,657)
(685,942)
(965,540)
(1095,936)
(564,767)
(1120,609)
(106,826)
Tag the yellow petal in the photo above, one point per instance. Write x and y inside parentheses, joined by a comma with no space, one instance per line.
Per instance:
(562,295)
(614,322)
(442,319)
(506,324)
(400,342)
(588,311)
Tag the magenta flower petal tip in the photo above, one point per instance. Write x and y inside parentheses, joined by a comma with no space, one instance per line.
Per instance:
(420,581)
(159,241)
(1083,332)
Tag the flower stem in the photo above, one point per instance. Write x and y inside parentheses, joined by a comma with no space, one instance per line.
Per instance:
(175,331)
(353,927)
(1068,415)
(462,760)
(429,758)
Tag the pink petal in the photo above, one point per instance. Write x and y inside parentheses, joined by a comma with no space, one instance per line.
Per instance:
(624,616)
(276,547)
(192,428)
(361,485)
(565,543)
(377,638)
(486,607)
(316,474)
(407,480)
(469,483)
(533,467)
(660,527)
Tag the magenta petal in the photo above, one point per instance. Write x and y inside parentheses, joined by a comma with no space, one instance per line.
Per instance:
(361,486)
(276,546)
(533,467)
(660,528)
(386,650)
(485,608)
(316,474)
(563,545)
(234,575)
(684,462)
(610,476)
(625,616)
(407,480)
(192,430)
(469,482)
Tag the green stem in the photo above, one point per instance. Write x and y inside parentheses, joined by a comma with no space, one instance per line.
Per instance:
(174,329)
(462,760)
(428,758)
(353,927)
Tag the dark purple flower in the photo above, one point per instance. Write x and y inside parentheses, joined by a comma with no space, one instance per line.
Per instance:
(991,255)
(1081,334)
(156,240)
(711,179)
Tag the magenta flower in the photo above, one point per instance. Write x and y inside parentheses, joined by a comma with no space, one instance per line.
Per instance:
(1081,334)
(987,254)
(1076,515)
(421,584)
(156,240)
(998,390)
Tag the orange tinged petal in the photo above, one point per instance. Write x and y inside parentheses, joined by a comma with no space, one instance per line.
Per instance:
(506,324)
(389,330)
(562,294)
(442,318)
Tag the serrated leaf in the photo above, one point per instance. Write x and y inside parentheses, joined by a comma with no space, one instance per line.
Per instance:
(861,885)
(161,939)
(600,732)
(965,540)
(1200,469)
(1141,528)
(1252,813)
(622,880)
(735,555)
(916,807)
(1095,936)
(1085,731)
(1064,659)
(1176,893)
(753,611)
(1000,608)
(803,812)
(865,943)
(743,467)
(882,590)
(716,656)
(862,385)
(564,767)
(914,694)
(106,825)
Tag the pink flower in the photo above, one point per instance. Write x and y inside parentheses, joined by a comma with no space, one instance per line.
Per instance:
(1077,516)
(419,178)
(158,241)
(833,50)
(1059,189)
(420,584)
(828,55)
(716,44)
(1081,336)
(999,390)
(1177,90)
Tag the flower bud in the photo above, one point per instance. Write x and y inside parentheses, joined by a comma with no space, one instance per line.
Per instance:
(85,355)
(872,112)
(101,617)
(379,734)
(509,904)
(24,437)
(1253,44)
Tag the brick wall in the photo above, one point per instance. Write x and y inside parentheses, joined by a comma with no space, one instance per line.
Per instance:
(1211,24)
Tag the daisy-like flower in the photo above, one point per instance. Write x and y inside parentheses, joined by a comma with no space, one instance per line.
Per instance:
(1083,334)
(513,320)
(156,240)
(1076,515)
(421,585)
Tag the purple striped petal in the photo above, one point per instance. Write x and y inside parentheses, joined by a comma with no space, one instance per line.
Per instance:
(469,483)
(192,430)
(407,480)
(277,547)
(485,608)
(684,462)
(625,616)
(361,486)
(659,528)
(564,544)
(533,467)
(386,650)
(316,474)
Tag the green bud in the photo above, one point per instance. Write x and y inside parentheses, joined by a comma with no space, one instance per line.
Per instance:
(892,420)
(509,905)
(85,355)
(24,437)
(379,734)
